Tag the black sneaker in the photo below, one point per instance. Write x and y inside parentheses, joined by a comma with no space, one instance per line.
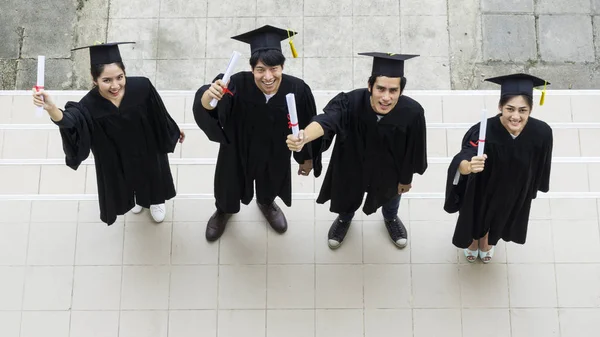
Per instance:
(337,233)
(397,232)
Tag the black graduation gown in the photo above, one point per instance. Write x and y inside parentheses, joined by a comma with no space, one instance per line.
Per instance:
(370,156)
(129,143)
(252,135)
(498,199)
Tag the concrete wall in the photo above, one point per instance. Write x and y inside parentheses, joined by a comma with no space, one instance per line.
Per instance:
(183,44)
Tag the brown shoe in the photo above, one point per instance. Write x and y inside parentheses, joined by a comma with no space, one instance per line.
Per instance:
(216,225)
(274,216)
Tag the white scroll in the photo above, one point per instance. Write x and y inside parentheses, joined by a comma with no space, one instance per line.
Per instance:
(40,82)
(230,68)
(482,130)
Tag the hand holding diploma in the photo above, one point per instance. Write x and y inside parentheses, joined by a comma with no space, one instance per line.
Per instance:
(217,90)
(43,101)
(223,83)
(295,142)
(293,116)
(482,130)
(40,80)
(477,164)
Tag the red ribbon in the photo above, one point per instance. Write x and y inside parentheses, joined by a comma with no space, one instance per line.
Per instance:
(38,87)
(477,144)
(227,91)
(290,122)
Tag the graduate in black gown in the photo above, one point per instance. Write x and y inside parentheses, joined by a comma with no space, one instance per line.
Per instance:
(251,124)
(380,145)
(126,126)
(493,193)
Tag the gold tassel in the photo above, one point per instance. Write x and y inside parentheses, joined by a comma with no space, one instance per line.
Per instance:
(292,47)
(543,95)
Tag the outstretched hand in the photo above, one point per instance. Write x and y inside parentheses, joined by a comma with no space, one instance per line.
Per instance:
(295,143)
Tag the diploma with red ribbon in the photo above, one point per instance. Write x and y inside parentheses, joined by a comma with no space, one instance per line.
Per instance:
(482,129)
(40,82)
(230,67)
(292,114)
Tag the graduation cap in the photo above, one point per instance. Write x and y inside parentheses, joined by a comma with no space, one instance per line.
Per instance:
(388,64)
(519,84)
(104,53)
(267,37)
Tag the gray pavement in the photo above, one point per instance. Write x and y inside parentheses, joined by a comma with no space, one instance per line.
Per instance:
(181,44)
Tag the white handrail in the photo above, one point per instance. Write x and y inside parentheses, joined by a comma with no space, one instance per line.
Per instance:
(295,196)
(192,126)
(213,161)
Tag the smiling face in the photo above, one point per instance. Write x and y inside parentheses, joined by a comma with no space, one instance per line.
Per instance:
(267,78)
(515,113)
(111,82)
(385,93)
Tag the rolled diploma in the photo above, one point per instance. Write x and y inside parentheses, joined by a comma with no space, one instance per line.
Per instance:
(482,130)
(480,144)
(234,58)
(291,104)
(40,81)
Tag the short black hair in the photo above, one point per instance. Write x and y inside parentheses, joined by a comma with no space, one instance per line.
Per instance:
(270,58)
(97,69)
(504,99)
(374,77)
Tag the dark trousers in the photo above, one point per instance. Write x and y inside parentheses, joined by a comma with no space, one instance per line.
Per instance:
(389,210)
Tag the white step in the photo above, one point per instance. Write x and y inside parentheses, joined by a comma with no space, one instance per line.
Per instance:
(443,106)
(32,160)
(46,143)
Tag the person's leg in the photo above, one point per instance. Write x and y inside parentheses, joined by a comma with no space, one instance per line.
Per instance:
(390,209)
(393,224)
(339,229)
(472,252)
(265,199)
(486,251)
(346,217)
(216,224)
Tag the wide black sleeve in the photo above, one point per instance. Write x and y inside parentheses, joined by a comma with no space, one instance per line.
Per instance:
(456,182)
(76,129)
(543,181)
(334,120)
(415,159)
(307,110)
(213,121)
(165,128)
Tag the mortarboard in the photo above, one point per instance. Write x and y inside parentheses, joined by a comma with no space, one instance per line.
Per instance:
(388,64)
(519,84)
(104,53)
(266,38)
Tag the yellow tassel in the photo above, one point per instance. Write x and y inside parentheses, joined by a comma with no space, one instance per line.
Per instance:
(97,43)
(292,47)
(543,95)
(294,52)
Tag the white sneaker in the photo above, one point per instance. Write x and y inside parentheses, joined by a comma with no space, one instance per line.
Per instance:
(158,212)
(136,209)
